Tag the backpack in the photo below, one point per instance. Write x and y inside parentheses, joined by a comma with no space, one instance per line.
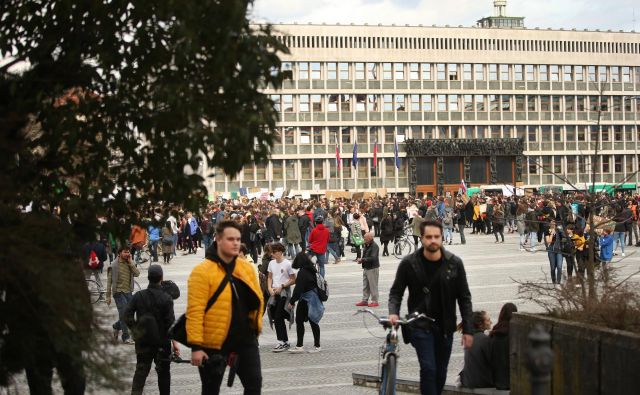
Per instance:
(322,288)
(94,262)
(147,332)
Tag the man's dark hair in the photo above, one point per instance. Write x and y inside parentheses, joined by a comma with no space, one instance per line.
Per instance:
(227,224)
(123,248)
(275,247)
(430,223)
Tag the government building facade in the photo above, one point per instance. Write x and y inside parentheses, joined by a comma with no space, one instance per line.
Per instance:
(492,104)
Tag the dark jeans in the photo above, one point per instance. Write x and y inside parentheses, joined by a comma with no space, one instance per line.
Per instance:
(162,360)
(279,314)
(498,229)
(302,315)
(571,262)
(433,349)
(122,300)
(248,371)
(71,375)
(153,248)
(461,230)
(385,250)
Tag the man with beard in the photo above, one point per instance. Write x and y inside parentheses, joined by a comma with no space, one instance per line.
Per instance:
(436,280)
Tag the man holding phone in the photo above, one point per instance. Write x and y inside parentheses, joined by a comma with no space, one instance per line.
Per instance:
(120,283)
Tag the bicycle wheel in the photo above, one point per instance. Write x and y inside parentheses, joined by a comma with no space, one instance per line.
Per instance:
(388,385)
(94,291)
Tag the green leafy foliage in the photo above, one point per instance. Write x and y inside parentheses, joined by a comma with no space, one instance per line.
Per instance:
(106,105)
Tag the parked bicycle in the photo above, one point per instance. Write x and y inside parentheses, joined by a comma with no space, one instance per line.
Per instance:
(96,292)
(390,350)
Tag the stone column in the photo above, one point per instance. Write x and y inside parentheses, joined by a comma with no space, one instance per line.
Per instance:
(519,163)
(493,170)
(413,175)
(466,171)
(440,176)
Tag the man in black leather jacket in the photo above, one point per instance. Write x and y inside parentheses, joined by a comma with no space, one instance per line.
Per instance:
(436,280)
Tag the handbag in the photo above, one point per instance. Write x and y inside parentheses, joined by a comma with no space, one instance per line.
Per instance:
(357,240)
(178,331)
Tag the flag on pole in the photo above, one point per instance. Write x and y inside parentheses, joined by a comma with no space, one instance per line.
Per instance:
(395,152)
(338,160)
(355,154)
(463,188)
(375,152)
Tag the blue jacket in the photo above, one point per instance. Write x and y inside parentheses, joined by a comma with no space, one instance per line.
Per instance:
(193,225)
(154,233)
(316,308)
(606,248)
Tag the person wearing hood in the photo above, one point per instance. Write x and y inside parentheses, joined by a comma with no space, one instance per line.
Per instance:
(318,241)
(499,336)
(233,322)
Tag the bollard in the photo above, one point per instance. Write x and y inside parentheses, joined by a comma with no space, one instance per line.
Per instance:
(539,360)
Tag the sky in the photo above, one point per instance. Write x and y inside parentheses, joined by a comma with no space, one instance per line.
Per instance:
(568,14)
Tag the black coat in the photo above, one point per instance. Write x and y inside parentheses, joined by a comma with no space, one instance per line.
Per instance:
(371,256)
(155,301)
(274,228)
(386,230)
(452,283)
(500,364)
(303,224)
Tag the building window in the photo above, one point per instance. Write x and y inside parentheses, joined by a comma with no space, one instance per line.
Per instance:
(389,167)
(305,169)
(602,73)
(400,103)
(333,103)
(606,164)
(318,135)
(387,71)
(453,103)
(518,72)
(346,168)
(305,135)
(494,103)
(427,103)
(468,103)
(388,102)
(555,72)
(290,170)
(617,133)
(581,103)
(479,69)
(615,73)
(276,170)
(557,133)
(345,103)
(303,71)
(571,133)
(415,102)
(372,103)
(316,103)
(398,71)
(531,75)
(467,72)
(592,73)
(557,164)
(504,72)
(414,71)
(555,103)
(442,102)
(545,103)
(372,71)
(605,135)
(629,164)
(261,171)
(318,169)
(361,103)
(344,71)
(389,135)
(359,71)
(480,105)
(579,70)
(495,132)
(453,72)
(626,74)
(441,71)
(287,103)
(276,103)
(569,103)
(506,102)
(493,72)
(531,103)
(616,103)
(303,103)
(345,134)
(545,133)
(315,71)
(571,164)
(426,71)
(543,71)
(332,71)
(533,165)
(568,73)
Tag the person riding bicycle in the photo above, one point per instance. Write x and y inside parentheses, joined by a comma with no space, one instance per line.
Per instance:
(436,280)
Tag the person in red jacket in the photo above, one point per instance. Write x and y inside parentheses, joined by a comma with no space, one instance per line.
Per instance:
(318,240)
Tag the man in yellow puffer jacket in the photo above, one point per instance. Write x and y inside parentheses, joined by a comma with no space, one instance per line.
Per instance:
(233,322)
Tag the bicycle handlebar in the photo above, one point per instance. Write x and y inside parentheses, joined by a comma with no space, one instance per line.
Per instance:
(384,321)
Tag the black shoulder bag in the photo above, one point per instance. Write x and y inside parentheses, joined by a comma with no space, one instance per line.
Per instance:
(426,300)
(178,331)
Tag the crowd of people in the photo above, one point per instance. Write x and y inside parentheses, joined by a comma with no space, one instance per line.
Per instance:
(272,255)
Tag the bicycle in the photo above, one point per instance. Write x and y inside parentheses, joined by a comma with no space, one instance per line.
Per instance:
(390,350)
(97,292)
(402,246)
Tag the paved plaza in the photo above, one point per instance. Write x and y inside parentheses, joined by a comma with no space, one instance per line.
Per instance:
(349,344)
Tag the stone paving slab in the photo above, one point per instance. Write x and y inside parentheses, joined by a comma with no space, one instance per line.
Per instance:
(350,344)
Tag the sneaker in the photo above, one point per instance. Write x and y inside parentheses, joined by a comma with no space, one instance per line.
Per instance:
(296,350)
(315,349)
(129,341)
(362,303)
(281,347)
(374,304)
(337,261)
